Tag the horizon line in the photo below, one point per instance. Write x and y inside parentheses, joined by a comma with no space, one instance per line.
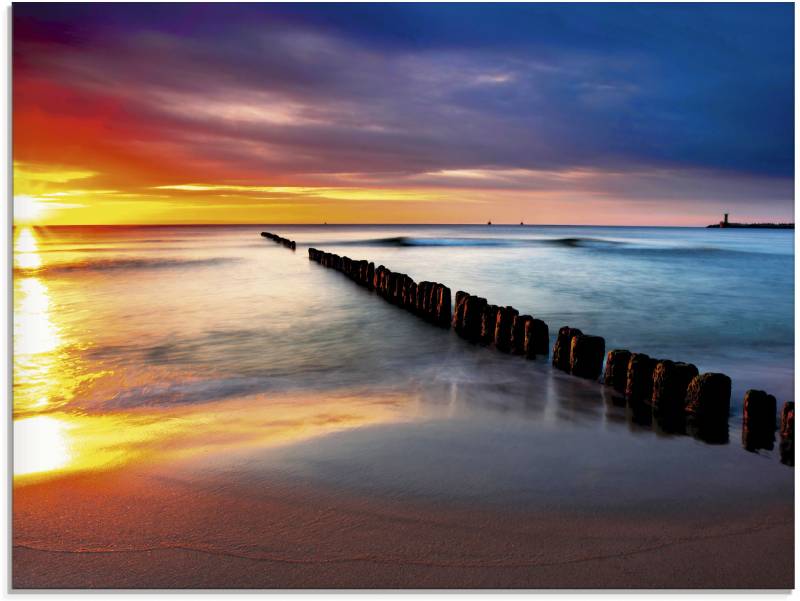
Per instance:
(217,224)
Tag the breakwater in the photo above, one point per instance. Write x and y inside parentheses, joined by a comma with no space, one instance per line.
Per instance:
(428,300)
(672,393)
(480,322)
(291,244)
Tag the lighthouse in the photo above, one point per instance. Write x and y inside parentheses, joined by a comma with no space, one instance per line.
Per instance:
(724,222)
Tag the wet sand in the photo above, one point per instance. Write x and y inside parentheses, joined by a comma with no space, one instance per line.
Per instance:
(144,529)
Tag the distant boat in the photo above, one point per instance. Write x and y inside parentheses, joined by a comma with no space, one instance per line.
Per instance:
(521,223)
(488,223)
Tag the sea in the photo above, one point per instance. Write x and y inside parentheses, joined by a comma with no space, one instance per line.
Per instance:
(212,348)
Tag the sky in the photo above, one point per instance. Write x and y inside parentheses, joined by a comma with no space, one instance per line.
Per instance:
(629,114)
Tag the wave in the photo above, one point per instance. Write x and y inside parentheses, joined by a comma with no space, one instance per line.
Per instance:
(178,393)
(401,241)
(122,264)
(575,242)
(585,243)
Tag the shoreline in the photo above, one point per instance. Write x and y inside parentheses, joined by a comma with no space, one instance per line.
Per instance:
(311,537)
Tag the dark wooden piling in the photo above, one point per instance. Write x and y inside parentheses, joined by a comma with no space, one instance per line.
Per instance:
(759,411)
(361,273)
(518,329)
(404,295)
(670,383)
(616,372)
(561,348)
(392,290)
(389,280)
(787,433)
(488,324)
(431,301)
(537,339)
(290,244)
(586,356)
(398,288)
(787,420)
(639,384)
(419,297)
(458,310)
(383,285)
(709,397)
(413,295)
(443,307)
(708,401)
(428,299)
(472,318)
(423,297)
(502,328)
(758,420)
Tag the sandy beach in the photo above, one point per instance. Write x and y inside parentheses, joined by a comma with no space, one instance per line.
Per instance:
(147,530)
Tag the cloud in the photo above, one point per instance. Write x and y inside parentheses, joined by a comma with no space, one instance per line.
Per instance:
(514,97)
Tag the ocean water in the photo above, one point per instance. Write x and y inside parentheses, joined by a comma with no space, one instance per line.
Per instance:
(217,349)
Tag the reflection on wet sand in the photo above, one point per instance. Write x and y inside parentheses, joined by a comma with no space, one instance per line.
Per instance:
(641,415)
(59,442)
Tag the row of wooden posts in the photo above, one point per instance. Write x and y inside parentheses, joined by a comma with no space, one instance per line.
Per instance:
(285,241)
(477,321)
(675,391)
(428,300)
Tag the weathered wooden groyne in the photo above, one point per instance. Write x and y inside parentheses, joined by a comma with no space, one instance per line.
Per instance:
(503,328)
(473,318)
(682,399)
(675,394)
(427,300)
(278,239)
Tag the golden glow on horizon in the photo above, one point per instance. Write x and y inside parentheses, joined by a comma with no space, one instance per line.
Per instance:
(338,193)
(28,209)
(36,186)
(59,195)
(28,175)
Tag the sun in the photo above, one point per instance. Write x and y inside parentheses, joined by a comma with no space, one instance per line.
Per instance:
(28,209)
